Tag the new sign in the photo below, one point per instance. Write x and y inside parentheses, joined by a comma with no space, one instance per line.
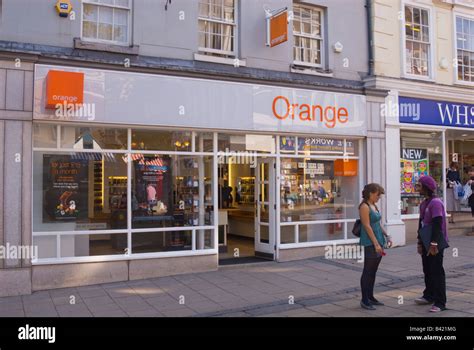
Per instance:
(277,28)
(419,111)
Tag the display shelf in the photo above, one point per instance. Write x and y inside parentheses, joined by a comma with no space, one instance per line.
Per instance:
(117,186)
(98,186)
(246,190)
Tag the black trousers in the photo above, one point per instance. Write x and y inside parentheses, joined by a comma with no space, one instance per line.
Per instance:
(435,278)
(367,280)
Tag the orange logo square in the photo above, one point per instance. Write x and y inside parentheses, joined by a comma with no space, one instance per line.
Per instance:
(64,88)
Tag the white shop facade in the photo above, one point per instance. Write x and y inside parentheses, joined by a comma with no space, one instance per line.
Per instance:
(150,175)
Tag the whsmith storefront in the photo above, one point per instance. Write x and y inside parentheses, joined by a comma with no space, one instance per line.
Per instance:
(431,135)
(140,175)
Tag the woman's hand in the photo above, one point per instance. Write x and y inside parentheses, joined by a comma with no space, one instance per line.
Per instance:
(389,242)
(419,248)
(378,249)
(433,250)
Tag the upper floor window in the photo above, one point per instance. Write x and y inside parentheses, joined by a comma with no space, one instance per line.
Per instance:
(217,27)
(465,48)
(417,41)
(308,35)
(106,21)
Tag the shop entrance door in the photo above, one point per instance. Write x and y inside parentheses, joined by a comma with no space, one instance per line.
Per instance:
(265,190)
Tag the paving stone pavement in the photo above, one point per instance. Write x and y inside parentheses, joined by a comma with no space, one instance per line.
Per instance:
(315,287)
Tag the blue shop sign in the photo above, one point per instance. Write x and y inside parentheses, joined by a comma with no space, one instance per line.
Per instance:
(429,112)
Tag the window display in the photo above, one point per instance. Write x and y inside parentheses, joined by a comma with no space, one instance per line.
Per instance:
(90,190)
(94,189)
(310,191)
(171,191)
(75,191)
(420,155)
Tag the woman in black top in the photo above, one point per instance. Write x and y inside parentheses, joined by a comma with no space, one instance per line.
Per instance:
(452,177)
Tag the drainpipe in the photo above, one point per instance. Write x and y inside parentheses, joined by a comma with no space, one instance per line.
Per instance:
(368,7)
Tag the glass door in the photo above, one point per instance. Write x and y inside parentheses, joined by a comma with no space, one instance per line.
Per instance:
(265,208)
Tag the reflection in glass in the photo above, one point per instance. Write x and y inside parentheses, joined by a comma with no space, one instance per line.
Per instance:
(93,138)
(310,190)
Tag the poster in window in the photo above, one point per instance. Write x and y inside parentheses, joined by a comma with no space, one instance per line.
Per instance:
(65,185)
(413,165)
(153,184)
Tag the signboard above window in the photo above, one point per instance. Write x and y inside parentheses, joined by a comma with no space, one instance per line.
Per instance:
(277,27)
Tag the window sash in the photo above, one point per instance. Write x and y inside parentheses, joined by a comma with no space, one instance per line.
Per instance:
(465,52)
(412,62)
(315,19)
(221,4)
(227,31)
(90,2)
(114,25)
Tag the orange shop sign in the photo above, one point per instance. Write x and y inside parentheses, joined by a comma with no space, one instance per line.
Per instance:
(64,88)
(277,28)
(345,167)
(328,115)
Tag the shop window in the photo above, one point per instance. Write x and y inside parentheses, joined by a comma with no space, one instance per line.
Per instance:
(45,135)
(98,139)
(161,241)
(217,27)
(177,141)
(465,48)
(106,21)
(170,191)
(421,154)
(320,232)
(247,144)
(47,246)
(79,191)
(313,189)
(93,245)
(287,234)
(204,142)
(313,145)
(417,41)
(308,47)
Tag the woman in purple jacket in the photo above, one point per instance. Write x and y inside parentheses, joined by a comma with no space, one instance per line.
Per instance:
(432,213)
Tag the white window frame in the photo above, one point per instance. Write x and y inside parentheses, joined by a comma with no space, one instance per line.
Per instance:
(322,38)
(431,43)
(102,41)
(469,17)
(221,53)
(130,230)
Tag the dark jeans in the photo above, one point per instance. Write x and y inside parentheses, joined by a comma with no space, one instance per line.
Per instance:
(367,280)
(435,278)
